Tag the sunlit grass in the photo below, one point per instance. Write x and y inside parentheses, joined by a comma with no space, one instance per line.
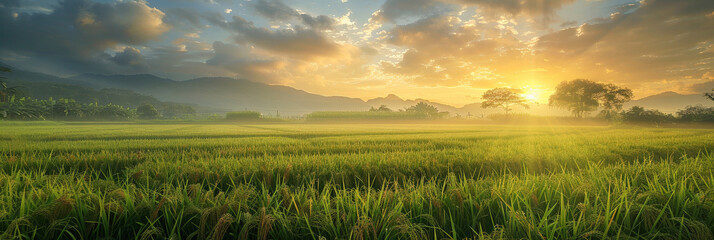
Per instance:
(375,181)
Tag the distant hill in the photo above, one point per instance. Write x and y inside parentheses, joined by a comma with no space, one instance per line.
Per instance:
(670,102)
(133,82)
(226,94)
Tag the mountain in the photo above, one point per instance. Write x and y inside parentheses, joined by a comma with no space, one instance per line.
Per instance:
(396,103)
(132,82)
(233,94)
(670,102)
(227,94)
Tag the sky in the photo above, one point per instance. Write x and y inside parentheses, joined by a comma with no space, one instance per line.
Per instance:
(450,51)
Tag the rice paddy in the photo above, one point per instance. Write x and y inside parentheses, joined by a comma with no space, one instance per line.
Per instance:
(354,181)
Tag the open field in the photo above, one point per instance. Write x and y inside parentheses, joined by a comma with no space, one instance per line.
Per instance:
(370,181)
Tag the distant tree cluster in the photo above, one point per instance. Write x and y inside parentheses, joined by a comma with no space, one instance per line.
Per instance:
(689,114)
(63,109)
(15,105)
(581,96)
(243,115)
(382,108)
(420,111)
(429,110)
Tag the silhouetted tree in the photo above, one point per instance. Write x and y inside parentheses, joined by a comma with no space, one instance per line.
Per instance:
(147,111)
(382,108)
(581,96)
(710,95)
(428,110)
(613,98)
(503,98)
(424,108)
(640,114)
(697,114)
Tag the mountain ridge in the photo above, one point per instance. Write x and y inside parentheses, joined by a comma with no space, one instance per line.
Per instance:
(241,94)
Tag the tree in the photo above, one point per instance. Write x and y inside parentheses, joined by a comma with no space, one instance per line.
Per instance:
(6,93)
(147,111)
(697,114)
(640,114)
(710,95)
(382,108)
(503,98)
(422,107)
(581,96)
(613,98)
(427,110)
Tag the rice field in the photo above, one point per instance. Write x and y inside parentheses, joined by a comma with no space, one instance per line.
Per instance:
(354,181)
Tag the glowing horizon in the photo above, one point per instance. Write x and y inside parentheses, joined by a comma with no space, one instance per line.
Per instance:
(450,51)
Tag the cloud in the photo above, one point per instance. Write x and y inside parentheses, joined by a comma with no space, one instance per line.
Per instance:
(244,64)
(443,51)
(542,10)
(655,46)
(276,10)
(78,31)
(129,57)
(298,42)
(392,10)
(661,41)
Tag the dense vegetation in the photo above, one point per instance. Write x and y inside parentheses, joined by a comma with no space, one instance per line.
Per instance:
(420,111)
(243,115)
(26,108)
(412,181)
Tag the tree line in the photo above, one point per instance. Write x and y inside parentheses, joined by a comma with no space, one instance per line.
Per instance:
(16,106)
(581,97)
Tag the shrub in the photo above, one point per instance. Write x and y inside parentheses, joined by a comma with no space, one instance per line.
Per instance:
(372,115)
(147,111)
(243,115)
(697,114)
(640,114)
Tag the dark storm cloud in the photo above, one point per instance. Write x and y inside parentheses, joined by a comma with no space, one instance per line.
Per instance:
(79,31)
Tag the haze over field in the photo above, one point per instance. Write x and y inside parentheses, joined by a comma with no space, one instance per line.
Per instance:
(357,119)
(444,51)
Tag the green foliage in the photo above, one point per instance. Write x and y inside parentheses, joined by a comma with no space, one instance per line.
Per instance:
(503,98)
(420,111)
(428,110)
(147,111)
(6,93)
(371,115)
(414,181)
(243,115)
(63,109)
(581,96)
(639,114)
(176,110)
(697,114)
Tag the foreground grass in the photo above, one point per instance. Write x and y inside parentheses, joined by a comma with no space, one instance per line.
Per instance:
(402,181)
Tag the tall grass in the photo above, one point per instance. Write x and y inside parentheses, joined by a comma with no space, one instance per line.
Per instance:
(353,182)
